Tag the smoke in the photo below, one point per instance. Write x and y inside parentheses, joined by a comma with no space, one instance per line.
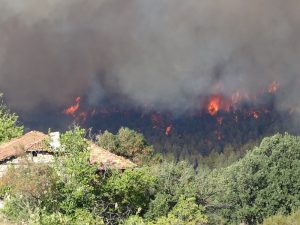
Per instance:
(165,53)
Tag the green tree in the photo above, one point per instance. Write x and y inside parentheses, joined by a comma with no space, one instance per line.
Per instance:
(265,182)
(78,178)
(127,143)
(9,127)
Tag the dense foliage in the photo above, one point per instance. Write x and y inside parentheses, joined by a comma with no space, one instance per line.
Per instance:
(265,182)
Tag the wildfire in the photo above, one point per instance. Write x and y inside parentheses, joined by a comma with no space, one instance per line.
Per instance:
(214,105)
(168,130)
(219,102)
(73,109)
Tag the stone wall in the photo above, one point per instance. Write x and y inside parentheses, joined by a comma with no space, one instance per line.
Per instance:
(39,157)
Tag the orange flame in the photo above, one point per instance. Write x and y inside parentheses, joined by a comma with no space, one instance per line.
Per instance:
(72,109)
(219,102)
(214,105)
(169,130)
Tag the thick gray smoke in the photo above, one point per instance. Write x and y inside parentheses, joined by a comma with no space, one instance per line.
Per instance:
(165,53)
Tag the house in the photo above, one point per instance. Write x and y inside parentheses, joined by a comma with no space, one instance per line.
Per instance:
(32,145)
(40,148)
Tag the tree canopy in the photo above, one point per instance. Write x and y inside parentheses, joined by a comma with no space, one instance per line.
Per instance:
(127,143)
(9,125)
(265,182)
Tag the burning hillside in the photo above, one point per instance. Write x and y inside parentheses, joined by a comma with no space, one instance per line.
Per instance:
(219,121)
(173,67)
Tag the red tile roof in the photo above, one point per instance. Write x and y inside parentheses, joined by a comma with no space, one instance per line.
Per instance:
(32,141)
(106,159)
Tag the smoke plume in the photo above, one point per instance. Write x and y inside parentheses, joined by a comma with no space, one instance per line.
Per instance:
(165,53)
